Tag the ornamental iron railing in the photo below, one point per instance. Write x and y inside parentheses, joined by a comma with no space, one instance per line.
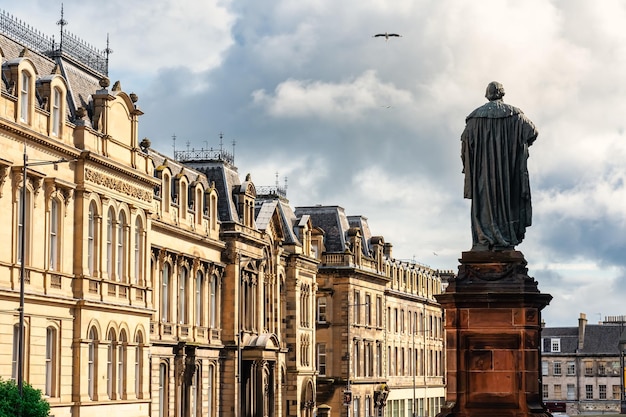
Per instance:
(70,44)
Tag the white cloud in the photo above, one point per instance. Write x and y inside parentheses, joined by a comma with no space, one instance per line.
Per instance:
(350,99)
(302,86)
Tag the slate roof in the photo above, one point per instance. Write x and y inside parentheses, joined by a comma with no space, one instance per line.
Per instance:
(265,208)
(360,222)
(226,180)
(598,339)
(82,81)
(333,221)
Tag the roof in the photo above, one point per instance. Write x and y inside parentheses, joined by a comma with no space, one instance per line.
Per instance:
(598,339)
(332,220)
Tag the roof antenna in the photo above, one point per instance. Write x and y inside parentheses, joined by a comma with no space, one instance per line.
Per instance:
(285,185)
(61,22)
(174,144)
(234,143)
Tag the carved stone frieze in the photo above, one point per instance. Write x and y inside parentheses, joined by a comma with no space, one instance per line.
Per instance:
(117,185)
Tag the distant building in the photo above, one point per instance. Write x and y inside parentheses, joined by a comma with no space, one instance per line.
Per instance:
(379,328)
(581,368)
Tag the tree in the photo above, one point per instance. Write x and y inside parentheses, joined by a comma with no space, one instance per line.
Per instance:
(31,405)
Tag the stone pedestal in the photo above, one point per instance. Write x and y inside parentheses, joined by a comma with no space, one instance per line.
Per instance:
(493,323)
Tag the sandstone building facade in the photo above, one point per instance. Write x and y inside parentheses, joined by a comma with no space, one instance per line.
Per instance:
(582,368)
(159,286)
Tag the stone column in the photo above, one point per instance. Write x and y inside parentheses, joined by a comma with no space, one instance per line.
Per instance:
(493,324)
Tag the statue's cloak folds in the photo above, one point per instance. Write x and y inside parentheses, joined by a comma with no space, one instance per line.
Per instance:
(495,152)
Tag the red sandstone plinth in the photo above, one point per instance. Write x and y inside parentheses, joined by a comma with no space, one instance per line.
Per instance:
(493,323)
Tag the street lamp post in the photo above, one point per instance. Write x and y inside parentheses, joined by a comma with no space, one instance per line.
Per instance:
(22,214)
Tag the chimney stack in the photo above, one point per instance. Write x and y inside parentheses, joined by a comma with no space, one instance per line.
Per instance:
(582,324)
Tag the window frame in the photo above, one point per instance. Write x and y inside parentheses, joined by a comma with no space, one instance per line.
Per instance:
(322,309)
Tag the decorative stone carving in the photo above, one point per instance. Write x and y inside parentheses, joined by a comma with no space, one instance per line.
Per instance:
(117,185)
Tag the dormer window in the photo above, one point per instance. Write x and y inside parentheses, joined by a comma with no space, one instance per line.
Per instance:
(56,112)
(25,92)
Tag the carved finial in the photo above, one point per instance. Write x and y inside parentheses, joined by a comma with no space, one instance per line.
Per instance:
(81,112)
(248,177)
(56,70)
(25,53)
(104,82)
(145,144)
(134,97)
(117,86)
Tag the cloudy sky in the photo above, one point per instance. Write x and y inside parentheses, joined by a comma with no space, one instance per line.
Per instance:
(371,125)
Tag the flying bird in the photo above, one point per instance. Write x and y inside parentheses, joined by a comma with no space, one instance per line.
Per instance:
(387,35)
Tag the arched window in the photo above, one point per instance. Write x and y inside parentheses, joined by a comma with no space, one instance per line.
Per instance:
(182,296)
(16,352)
(139,366)
(121,247)
(24,226)
(91,364)
(25,94)
(121,365)
(195,394)
(111,364)
(51,362)
(55,221)
(139,252)
(210,391)
(198,208)
(166,193)
(91,239)
(213,212)
(163,390)
(110,217)
(56,111)
(198,310)
(213,302)
(165,293)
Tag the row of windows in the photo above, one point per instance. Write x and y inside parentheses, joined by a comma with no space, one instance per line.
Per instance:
(198,406)
(557,393)
(25,230)
(190,197)
(601,368)
(395,322)
(423,407)
(196,310)
(28,96)
(367,360)
(412,281)
(51,358)
(117,241)
(118,368)
(117,362)
(116,237)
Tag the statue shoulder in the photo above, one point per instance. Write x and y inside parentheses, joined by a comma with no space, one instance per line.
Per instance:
(494,110)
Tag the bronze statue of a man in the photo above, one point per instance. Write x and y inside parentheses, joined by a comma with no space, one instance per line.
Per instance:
(494,153)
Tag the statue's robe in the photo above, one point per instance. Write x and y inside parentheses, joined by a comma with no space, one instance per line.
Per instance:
(495,152)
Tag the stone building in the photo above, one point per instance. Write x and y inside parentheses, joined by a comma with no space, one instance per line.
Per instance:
(581,367)
(87,294)
(379,328)
(158,286)
(187,274)
(268,295)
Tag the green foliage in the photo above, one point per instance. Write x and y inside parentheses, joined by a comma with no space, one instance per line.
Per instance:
(32,405)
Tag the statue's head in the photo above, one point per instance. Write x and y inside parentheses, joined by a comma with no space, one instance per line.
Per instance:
(495,91)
